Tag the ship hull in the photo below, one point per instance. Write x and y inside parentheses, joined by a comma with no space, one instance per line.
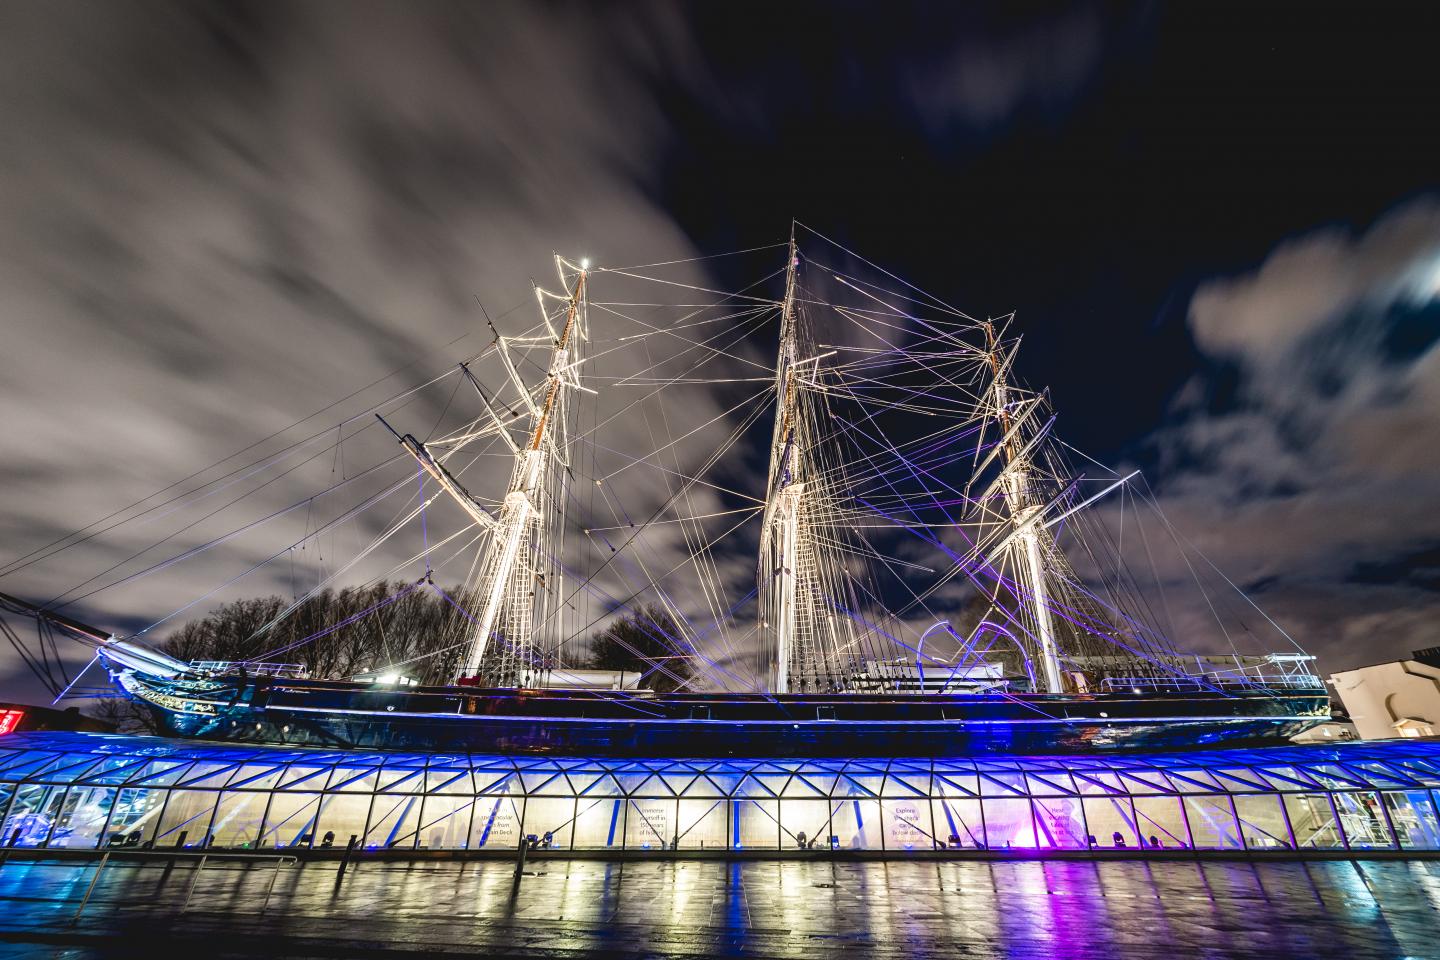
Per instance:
(348,716)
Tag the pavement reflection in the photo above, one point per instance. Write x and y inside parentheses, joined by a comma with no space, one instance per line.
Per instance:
(807,909)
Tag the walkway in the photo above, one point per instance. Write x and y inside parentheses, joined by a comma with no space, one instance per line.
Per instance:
(913,910)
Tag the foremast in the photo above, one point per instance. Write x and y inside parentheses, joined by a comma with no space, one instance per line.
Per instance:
(502,650)
(506,584)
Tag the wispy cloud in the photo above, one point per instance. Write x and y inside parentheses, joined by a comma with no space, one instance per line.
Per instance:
(1307,450)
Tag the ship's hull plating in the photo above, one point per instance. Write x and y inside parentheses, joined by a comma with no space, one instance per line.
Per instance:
(349,716)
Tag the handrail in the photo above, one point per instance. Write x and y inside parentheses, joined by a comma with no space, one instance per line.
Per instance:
(256,669)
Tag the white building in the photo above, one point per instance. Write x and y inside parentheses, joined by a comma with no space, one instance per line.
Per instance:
(1396,699)
(1332,731)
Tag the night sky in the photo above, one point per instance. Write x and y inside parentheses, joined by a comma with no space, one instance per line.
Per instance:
(1218,226)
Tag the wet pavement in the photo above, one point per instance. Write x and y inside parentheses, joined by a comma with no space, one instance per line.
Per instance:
(804,909)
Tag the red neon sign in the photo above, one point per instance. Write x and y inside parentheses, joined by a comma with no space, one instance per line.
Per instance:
(10,720)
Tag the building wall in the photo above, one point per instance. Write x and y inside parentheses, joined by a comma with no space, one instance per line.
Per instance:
(1334,731)
(1381,696)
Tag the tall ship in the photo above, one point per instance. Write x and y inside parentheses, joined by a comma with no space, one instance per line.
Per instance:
(867,540)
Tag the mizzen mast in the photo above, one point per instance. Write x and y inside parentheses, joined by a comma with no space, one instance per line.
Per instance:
(1024,510)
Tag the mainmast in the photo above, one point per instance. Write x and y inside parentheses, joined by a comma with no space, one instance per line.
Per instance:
(786,488)
(801,587)
(1024,512)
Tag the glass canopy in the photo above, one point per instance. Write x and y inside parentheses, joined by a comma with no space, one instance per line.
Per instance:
(80,790)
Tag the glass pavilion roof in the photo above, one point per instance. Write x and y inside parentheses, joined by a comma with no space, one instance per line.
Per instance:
(128,761)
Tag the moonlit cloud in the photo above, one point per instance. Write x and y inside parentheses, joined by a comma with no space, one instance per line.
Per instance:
(1319,463)
(216,220)
(1317,279)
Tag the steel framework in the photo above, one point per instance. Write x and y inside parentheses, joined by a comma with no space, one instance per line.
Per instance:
(90,790)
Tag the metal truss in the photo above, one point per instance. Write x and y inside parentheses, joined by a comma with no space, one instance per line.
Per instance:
(1348,796)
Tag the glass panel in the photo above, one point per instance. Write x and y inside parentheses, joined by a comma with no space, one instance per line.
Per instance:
(1414,819)
(1332,775)
(551,780)
(907,824)
(1096,783)
(30,816)
(1002,785)
(114,770)
(1050,784)
(805,785)
(392,822)
(69,769)
(291,820)
(496,823)
(402,780)
(162,772)
(445,822)
(805,824)
(209,773)
(1212,823)
(1361,819)
(237,818)
(450,780)
(1286,778)
(855,824)
(649,824)
(1312,820)
(1240,780)
(256,776)
(136,817)
(1110,822)
(860,784)
(703,786)
(1161,822)
(1136,782)
(304,777)
(957,822)
(702,823)
(1195,781)
(906,782)
(1008,824)
(342,816)
(82,817)
(187,812)
(354,779)
(599,824)
(949,784)
(774,785)
(1059,823)
(18,764)
(1262,822)
(556,786)
(755,824)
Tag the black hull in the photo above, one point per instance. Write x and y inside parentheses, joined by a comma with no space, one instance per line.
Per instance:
(347,716)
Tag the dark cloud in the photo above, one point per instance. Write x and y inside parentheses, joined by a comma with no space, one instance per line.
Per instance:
(984,80)
(215,218)
(1317,470)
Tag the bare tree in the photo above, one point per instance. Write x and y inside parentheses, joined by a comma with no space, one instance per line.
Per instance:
(646,641)
(410,628)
